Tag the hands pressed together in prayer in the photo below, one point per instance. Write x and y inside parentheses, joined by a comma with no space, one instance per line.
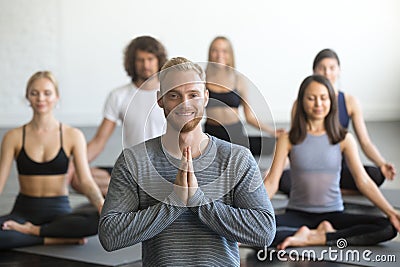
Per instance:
(186,182)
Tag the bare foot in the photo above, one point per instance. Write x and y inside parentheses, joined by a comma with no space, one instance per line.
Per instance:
(298,239)
(26,228)
(326,227)
(30,229)
(64,241)
(304,237)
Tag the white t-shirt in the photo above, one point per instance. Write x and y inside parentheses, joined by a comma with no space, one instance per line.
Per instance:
(139,112)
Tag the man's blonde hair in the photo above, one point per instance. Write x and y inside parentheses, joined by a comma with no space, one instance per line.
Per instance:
(180,64)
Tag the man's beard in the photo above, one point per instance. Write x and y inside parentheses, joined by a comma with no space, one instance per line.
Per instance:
(187,126)
(190,125)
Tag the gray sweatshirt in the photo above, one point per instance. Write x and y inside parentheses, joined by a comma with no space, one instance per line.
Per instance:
(231,205)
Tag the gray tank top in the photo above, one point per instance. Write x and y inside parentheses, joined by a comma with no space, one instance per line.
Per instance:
(315,166)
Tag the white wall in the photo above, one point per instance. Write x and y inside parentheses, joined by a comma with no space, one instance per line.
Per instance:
(275,42)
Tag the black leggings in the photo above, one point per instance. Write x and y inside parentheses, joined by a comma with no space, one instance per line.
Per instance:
(357,230)
(53,215)
(258,145)
(346,179)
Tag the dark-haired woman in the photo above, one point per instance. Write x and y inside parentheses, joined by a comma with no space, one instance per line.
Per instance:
(327,64)
(315,145)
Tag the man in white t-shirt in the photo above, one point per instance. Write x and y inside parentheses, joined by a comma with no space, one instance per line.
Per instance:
(134,104)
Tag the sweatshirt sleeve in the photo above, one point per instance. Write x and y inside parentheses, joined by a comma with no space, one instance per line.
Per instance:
(122,223)
(251,219)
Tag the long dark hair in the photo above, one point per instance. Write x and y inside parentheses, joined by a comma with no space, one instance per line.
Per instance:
(325,53)
(334,130)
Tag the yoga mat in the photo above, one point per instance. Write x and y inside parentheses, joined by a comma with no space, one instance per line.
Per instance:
(91,252)
(392,195)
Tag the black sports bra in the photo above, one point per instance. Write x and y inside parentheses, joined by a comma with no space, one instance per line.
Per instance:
(26,166)
(230,99)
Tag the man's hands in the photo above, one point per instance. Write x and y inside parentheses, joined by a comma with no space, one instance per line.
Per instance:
(186,182)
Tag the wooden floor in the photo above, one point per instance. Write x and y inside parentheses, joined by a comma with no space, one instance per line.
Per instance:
(385,135)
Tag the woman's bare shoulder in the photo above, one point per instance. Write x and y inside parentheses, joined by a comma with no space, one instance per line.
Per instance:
(351,101)
(14,133)
(72,133)
(13,138)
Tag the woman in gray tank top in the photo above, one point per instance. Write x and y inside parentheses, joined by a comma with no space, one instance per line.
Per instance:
(315,145)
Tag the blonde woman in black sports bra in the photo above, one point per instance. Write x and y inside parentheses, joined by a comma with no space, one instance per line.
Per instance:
(42,149)
(228,90)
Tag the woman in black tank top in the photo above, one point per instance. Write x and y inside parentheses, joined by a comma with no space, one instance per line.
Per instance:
(42,213)
(228,90)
